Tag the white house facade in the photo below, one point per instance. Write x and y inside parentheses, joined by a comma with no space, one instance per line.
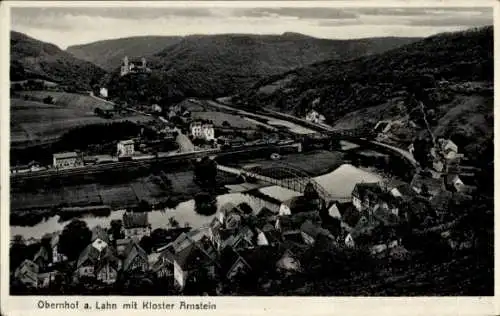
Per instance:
(125,148)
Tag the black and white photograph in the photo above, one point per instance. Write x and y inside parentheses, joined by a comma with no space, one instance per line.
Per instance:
(250,149)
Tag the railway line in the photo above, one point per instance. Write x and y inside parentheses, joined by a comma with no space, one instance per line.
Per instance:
(98,168)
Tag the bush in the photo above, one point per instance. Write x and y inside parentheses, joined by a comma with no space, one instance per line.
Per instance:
(48,100)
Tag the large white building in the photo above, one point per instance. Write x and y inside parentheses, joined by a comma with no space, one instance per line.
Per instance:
(66,160)
(125,148)
(202,130)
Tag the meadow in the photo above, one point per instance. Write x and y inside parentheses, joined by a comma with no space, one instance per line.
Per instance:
(34,122)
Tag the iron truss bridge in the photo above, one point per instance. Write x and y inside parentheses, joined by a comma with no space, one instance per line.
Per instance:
(282,175)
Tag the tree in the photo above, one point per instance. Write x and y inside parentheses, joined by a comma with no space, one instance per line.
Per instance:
(144,206)
(173,222)
(205,203)
(159,236)
(48,100)
(74,238)
(116,229)
(18,252)
(205,172)
(245,207)
(146,243)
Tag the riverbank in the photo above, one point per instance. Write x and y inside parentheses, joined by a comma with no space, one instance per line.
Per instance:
(160,190)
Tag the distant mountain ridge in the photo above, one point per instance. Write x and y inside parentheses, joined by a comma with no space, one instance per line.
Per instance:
(108,54)
(31,58)
(219,65)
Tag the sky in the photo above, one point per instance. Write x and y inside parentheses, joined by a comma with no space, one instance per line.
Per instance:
(66,26)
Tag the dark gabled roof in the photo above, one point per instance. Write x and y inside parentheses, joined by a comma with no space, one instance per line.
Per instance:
(310,229)
(293,236)
(192,257)
(299,204)
(406,190)
(261,258)
(360,189)
(350,215)
(273,236)
(215,224)
(108,256)
(228,258)
(294,221)
(135,219)
(267,227)
(41,254)
(101,233)
(265,212)
(133,250)
(89,253)
(434,185)
(30,265)
(386,216)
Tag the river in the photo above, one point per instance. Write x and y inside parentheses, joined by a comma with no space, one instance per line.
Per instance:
(338,183)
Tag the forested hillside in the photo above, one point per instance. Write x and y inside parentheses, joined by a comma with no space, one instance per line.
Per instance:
(218,65)
(34,59)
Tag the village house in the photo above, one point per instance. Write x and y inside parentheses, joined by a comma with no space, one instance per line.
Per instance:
(191,260)
(121,246)
(107,267)
(311,232)
(136,259)
(242,239)
(85,265)
(366,195)
(202,130)
(448,148)
(27,273)
(133,66)
(233,264)
(314,117)
(103,92)
(100,233)
(56,255)
(125,148)
(454,183)
(45,279)
(42,258)
(382,127)
(427,185)
(156,108)
(66,160)
(163,268)
(299,204)
(136,225)
(292,223)
(289,261)
(334,211)
(400,189)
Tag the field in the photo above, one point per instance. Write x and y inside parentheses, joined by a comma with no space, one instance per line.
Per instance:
(34,122)
(218,118)
(179,184)
(70,100)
